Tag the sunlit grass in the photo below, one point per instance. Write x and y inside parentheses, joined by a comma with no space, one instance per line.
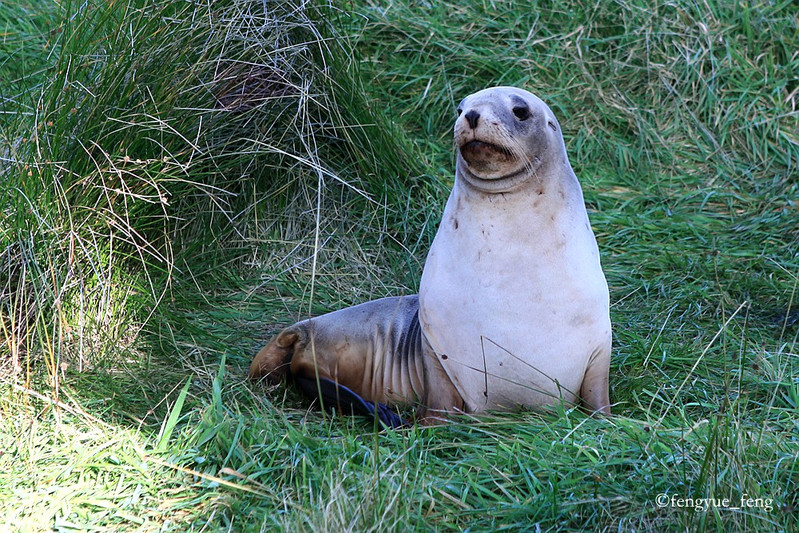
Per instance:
(180,180)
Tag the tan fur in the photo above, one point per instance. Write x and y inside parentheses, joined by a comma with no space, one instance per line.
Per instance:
(364,348)
(272,361)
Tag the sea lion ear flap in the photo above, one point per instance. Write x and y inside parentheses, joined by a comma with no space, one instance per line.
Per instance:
(273,360)
(348,402)
(552,123)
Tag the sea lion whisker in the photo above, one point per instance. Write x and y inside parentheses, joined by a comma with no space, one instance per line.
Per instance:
(520,153)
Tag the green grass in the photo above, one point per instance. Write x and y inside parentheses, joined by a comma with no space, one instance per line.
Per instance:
(181,180)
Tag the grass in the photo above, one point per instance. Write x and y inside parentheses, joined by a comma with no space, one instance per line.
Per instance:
(181,180)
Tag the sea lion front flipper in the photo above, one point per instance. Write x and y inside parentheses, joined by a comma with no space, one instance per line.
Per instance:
(594,390)
(348,402)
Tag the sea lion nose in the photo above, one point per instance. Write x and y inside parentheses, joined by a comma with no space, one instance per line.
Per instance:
(472,117)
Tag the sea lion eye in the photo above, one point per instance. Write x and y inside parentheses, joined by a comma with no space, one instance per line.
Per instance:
(521,112)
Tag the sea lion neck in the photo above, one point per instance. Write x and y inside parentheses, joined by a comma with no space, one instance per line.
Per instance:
(553,187)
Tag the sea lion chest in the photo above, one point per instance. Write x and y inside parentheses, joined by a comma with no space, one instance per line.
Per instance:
(512,298)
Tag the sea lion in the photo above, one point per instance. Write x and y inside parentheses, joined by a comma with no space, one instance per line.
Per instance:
(513,307)
(513,299)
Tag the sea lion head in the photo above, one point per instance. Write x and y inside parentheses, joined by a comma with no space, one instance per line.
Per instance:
(505,137)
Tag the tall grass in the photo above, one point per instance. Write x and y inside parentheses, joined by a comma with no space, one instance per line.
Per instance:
(155,134)
(180,179)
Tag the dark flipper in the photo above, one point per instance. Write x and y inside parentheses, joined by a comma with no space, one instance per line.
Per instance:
(346,401)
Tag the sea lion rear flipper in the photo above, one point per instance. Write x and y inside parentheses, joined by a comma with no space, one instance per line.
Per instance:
(348,402)
(274,358)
